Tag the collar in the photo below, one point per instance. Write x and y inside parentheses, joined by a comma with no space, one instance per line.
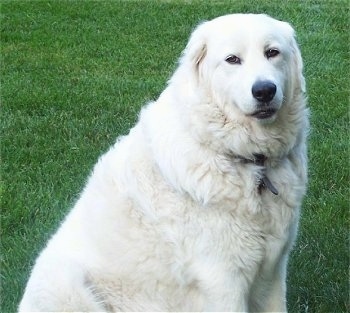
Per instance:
(263,181)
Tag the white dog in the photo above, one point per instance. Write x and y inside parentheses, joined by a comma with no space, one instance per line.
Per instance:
(197,208)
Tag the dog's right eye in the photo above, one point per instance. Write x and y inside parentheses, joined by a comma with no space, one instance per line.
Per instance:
(232,59)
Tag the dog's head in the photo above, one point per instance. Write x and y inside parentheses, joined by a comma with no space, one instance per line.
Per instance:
(249,65)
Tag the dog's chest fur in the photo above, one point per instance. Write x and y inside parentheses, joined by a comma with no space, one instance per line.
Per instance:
(194,226)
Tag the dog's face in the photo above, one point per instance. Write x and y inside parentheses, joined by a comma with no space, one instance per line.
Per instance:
(250,64)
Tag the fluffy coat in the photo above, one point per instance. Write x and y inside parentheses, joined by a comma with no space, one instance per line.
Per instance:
(172,218)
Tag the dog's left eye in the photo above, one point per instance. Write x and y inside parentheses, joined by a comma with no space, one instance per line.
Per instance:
(271,53)
(232,59)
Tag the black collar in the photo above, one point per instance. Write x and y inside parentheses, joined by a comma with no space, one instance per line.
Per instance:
(263,181)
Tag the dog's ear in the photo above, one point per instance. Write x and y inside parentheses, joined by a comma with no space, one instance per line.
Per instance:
(296,60)
(298,65)
(196,47)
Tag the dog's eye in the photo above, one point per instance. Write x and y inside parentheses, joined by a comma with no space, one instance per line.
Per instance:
(271,53)
(232,59)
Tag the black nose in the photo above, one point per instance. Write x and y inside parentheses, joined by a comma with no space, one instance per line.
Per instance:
(264,91)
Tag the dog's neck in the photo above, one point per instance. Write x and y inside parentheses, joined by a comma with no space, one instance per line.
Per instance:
(263,182)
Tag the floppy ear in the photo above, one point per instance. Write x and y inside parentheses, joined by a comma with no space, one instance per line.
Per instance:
(298,65)
(196,48)
(296,60)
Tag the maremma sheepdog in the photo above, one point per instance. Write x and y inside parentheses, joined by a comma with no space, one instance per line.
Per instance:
(197,208)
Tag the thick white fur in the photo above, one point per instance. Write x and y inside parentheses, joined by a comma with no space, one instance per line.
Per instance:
(171,218)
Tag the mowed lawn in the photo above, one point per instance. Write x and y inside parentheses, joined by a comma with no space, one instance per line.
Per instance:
(74,75)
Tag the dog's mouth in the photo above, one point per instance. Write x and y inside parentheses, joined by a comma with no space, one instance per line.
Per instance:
(264,113)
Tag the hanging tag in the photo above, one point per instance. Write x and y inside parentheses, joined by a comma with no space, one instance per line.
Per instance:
(267,183)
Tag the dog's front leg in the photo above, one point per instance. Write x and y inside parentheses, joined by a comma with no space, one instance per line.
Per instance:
(268,293)
(231,301)
(226,292)
(276,298)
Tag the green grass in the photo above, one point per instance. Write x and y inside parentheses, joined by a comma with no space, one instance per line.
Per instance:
(74,75)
